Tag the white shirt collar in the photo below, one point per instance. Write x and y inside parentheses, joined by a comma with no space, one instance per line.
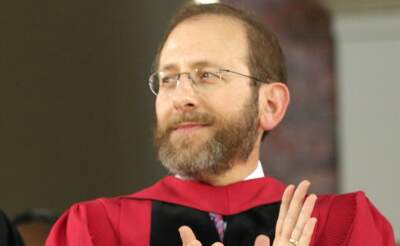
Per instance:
(257,173)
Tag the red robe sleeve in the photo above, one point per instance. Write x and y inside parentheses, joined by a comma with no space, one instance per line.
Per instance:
(103,222)
(351,220)
(86,224)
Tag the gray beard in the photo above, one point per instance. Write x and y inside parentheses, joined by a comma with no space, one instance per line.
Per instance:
(197,162)
(231,139)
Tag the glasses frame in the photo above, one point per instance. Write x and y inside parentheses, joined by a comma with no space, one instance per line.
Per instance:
(178,75)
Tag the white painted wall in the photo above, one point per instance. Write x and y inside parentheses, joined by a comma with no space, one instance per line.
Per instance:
(368,68)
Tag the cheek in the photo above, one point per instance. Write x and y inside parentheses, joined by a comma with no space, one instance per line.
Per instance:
(161,109)
(231,101)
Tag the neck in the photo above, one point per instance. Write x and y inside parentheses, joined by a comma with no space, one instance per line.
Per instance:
(239,171)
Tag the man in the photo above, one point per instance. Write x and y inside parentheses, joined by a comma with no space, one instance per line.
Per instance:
(9,236)
(220,86)
(34,225)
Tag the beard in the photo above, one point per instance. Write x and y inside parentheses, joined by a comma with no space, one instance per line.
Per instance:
(200,155)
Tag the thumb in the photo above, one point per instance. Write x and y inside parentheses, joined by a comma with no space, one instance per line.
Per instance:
(195,243)
(187,235)
(262,240)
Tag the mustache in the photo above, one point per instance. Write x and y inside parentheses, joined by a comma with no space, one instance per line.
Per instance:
(196,117)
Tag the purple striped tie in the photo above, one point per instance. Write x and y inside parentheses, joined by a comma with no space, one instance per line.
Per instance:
(220,224)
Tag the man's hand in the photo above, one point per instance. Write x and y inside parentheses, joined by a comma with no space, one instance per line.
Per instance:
(189,239)
(294,226)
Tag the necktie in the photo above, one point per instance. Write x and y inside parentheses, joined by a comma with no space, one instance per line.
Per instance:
(220,224)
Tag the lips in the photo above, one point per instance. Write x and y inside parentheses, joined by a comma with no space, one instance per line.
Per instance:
(188,126)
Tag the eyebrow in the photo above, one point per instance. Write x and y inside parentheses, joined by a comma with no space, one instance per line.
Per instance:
(197,64)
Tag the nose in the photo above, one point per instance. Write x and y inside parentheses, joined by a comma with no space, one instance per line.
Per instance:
(184,96)
(184,80)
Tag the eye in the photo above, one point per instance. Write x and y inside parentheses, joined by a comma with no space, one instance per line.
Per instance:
(205,75)
(167,80)
(208,77)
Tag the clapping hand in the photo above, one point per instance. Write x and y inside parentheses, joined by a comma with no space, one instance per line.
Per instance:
(294,226)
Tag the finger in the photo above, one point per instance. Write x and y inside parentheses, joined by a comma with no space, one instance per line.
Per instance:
(217,244)
(308,231)
(294,209)
(194,243)
(262,240)
(304,216)
(187,235)
(286,198)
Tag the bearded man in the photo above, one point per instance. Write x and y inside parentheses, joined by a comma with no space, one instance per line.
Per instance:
(219,83)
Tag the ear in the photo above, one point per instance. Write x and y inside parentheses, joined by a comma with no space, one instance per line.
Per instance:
(273,101)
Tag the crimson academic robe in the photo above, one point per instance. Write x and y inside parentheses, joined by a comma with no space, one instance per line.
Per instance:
(152,216)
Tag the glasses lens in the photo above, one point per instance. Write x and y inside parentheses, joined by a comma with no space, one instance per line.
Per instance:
(205,77)
(154,83)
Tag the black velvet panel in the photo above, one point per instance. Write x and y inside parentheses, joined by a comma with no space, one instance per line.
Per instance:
(167,218)
(242,229)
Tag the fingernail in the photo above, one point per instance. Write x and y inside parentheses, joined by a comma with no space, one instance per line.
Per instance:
(313,196)
(181,229)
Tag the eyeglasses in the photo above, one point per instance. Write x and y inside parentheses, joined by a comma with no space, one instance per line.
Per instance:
(201,79)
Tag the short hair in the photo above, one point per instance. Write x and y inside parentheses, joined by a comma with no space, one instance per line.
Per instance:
(266,61)
(35,215)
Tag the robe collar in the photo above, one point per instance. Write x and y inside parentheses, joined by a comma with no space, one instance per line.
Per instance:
(225,200)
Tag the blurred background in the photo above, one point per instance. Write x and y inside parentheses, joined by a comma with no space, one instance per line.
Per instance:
(76,114)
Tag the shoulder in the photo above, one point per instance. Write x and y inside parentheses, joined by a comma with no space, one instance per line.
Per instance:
(345,208)
(347,218)
(99,220)
(86,209)
(346,203)
(108,210)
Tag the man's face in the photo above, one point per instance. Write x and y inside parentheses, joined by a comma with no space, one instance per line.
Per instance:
(201,133)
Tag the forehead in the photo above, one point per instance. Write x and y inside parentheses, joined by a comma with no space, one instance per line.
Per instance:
(217,40)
